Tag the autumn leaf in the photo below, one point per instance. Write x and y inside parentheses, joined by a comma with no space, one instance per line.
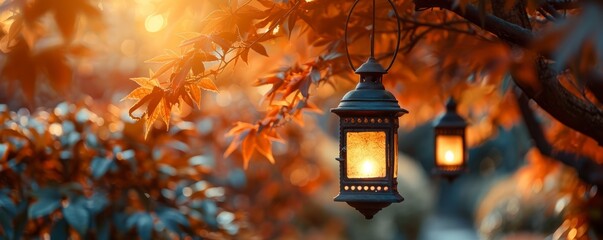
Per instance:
(207,84)
(165,67)
(248,147)
(14,31)
(146,82)
(163,58)
(195,94)
(138,93)
(154,111)
(197,64)
(264,147)
(237,132)
(244,54)
(259,48)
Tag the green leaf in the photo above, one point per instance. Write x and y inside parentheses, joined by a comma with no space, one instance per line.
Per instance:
(43,207)
(77,216)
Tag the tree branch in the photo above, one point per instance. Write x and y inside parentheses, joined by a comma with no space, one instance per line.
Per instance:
(551,96)
(588,170)
(504,30)
(563,4)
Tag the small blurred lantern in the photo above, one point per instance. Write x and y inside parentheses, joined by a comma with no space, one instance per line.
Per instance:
(450,155)
(368,140)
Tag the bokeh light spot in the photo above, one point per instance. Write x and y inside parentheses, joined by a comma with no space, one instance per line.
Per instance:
(154,23)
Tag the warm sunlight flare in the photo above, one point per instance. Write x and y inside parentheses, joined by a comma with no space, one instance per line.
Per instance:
(449,150)
(365,154)
(154,23)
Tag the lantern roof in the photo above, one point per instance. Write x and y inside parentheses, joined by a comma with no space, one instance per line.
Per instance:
(369,96)
(450,118)
(371,66)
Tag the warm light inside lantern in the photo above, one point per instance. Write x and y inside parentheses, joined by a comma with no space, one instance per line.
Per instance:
(365,154)
(449,150)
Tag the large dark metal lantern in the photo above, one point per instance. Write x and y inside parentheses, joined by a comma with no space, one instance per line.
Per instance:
(450,154)
(368,135)
(368,141)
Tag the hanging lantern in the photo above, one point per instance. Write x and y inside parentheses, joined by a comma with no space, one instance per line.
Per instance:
(450,155)
(368,140)
(368,135)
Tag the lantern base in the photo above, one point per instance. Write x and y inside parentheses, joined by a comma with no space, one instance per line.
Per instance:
(449,175)
(369,203)
(368,209)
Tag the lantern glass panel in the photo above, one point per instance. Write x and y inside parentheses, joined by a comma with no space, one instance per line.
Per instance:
(365,154)
(449,150)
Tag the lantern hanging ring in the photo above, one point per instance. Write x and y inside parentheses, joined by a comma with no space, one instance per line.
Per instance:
(399,32)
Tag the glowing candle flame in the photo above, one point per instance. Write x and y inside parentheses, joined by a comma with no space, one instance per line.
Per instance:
(368,168)
(449,156)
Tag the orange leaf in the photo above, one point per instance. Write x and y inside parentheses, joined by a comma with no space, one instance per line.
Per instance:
(207,84)
(146,82)
(239,127)
(152,114)
(163,69)
(165,112)
(14,30)
(245,54)
(155,94)
(259,48)
(264,147)
(138,93)
(163,58)
(273,136)
(195,94)
(233,146)
(248,146)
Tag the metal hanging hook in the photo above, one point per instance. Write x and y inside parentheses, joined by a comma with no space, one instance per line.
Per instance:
(399,32)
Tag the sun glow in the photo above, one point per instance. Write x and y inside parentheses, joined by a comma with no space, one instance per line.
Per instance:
(154,23)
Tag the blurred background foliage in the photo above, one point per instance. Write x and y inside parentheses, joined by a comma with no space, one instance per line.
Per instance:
(223,146)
